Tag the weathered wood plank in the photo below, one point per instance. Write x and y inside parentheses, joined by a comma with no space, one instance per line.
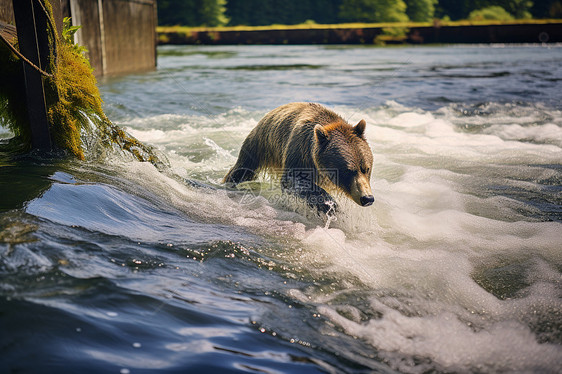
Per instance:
(8,31)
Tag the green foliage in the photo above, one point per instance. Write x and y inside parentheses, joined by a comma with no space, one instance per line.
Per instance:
(68,32)
(287,12)
(292,12)
(421,10)
(519,8)
(452,8)
(213,12)
(496,13)
(373,11)
(192,12)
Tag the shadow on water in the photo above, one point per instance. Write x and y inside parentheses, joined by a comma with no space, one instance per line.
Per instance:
(23,176)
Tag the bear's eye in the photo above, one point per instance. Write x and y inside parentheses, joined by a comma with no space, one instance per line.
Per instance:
(364,169)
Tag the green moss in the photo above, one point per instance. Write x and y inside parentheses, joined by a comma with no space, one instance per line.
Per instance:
(74,95)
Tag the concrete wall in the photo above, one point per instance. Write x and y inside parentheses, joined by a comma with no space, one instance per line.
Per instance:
(514,33)
(85,13)
(550,32)
(120,35)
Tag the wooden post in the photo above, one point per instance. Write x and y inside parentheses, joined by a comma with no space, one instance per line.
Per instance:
(31,24)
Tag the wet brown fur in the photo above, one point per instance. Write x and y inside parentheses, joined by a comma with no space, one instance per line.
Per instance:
(287,138)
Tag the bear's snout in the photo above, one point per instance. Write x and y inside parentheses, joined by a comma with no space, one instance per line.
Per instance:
(361,192)
(367,200)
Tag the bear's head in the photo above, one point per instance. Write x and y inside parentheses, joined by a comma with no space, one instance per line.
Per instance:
(344,160)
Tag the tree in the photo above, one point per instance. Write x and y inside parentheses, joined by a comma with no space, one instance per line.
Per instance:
(176,12)
(494,12)
(192,12)
(519,8)
(213,12)
(373,11)
(289,12)
(547,9)
(420,10)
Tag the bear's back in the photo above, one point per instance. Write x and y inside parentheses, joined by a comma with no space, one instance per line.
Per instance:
(281,121)
(291,126)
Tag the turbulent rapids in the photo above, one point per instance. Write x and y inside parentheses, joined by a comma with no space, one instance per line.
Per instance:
(456,266)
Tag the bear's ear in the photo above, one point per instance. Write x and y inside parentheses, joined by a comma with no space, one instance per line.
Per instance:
(360,128)
(322,135)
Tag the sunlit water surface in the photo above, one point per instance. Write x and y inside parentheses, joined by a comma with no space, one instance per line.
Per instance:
(116,267)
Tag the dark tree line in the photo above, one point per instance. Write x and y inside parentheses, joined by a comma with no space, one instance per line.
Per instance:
(289,12)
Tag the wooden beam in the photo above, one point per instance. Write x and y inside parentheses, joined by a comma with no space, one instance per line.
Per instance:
(31,24)
(8,31)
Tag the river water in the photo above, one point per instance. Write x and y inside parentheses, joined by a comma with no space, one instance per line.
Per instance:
(113,266)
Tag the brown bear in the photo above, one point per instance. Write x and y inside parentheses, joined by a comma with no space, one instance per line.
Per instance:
(313,149)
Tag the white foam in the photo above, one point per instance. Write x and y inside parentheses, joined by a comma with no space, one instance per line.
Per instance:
(411,120)
(421,242)
(548,133)
(433,226)
(451,343)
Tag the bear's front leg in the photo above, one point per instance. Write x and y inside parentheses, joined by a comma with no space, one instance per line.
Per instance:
(320,199)
(304,187)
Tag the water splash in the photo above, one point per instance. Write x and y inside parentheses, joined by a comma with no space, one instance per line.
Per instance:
(330,214)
